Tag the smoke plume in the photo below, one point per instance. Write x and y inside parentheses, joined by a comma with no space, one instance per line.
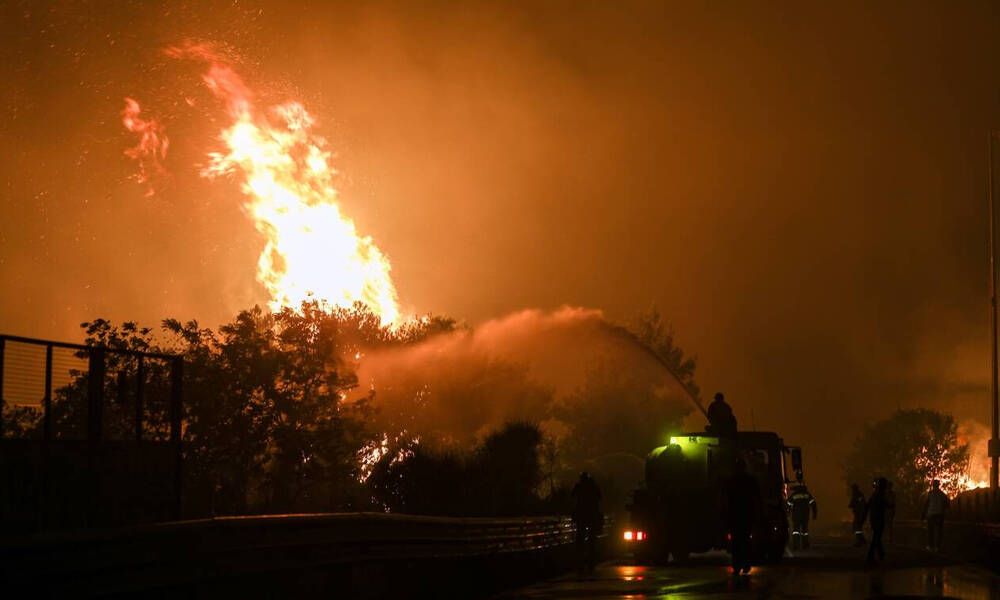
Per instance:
(593,388)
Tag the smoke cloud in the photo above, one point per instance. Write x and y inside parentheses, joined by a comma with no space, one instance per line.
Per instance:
(590,386)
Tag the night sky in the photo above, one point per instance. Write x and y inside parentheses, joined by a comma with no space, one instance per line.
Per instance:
(802,190)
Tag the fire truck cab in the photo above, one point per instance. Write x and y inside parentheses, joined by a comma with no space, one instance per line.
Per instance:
(677,510)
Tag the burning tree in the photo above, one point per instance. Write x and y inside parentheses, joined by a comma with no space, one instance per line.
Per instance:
(266,423)
(276,419)
(911,448)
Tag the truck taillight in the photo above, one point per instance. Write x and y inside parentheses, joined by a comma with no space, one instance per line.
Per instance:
(629,535)
(640,535)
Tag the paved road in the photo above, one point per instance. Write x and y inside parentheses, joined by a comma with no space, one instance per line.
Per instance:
(831,569)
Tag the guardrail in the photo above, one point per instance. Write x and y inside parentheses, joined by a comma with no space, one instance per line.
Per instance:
(205,554)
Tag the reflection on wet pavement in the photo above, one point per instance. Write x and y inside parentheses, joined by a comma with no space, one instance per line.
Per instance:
(829,570)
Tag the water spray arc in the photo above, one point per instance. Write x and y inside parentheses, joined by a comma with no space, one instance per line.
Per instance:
(631,338)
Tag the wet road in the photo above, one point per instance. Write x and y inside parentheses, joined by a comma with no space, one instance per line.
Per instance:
(831,569)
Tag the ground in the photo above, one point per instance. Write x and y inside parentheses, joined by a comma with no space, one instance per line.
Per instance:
(830,569)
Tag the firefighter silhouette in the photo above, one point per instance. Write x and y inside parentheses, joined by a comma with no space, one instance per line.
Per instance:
(721,420)
(588,517)
(858,506)
(741,511)
(800,503)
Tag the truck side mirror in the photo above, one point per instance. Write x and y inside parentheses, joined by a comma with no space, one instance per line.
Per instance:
(797,462)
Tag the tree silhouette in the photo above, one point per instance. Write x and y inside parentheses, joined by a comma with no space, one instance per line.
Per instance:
(499,477)
(274,422)
(653,330)
(910,448)
(265,427)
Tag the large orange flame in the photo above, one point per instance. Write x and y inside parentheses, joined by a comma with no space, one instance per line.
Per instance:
(311,251)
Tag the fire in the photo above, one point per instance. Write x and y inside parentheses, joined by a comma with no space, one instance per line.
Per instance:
(311,250)
(376,450)
(976,436)
(151,148)
(954,481)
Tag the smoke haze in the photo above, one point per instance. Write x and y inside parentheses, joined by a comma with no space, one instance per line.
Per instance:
(590,387)
(799,188)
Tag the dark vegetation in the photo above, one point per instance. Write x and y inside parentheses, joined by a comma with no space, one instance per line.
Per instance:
(276,420)
(499,477)
(910,448)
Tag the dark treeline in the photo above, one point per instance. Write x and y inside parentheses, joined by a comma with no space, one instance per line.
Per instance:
(276,420)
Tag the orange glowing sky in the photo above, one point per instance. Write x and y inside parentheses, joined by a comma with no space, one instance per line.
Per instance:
(800,189)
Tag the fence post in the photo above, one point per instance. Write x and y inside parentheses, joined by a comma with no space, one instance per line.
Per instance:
(95,418)
(95,394)
(176,415)
(47,423)
(140,385)
(44,501)
(3,343)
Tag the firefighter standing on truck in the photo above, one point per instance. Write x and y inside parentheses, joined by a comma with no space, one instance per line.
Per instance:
(721,421)
(800,503)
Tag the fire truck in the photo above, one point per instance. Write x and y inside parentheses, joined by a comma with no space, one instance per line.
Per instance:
(677,510)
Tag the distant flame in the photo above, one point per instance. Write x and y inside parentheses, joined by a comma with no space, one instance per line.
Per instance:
(151,148)
(953,481)
(977,436)
(311,250)
(376,450)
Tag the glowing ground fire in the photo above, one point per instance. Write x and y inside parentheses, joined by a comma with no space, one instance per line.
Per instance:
(952,481)
(311,250)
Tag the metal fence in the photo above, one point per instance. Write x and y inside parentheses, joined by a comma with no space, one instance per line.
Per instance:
(89,435)
(57,390)
(981,505)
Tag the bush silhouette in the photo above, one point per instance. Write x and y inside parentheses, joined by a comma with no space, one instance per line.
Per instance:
(498,478)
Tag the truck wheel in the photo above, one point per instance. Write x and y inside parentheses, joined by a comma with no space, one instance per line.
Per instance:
(777,553)
(772,554)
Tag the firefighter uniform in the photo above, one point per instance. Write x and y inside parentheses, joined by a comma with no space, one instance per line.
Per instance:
(859,506)
(800,503)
